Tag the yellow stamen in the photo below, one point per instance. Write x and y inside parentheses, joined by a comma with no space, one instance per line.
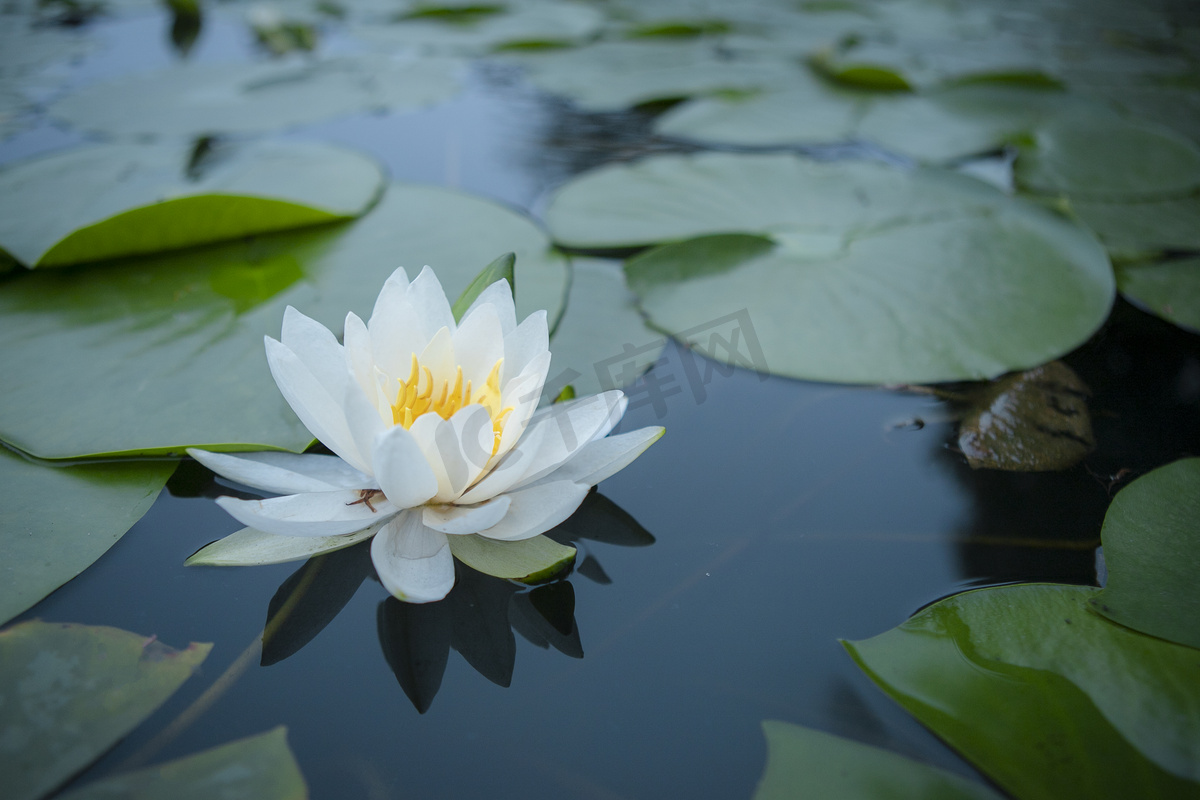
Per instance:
(413,400)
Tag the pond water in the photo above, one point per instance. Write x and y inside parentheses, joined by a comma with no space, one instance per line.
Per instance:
(715,576)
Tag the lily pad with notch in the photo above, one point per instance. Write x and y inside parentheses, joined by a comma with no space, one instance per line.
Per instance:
(111,200)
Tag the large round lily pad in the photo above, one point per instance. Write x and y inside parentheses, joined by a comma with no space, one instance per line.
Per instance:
(189,100)
(166,352)
(115,200)
(1045,698)
(56,521)
(1152,550)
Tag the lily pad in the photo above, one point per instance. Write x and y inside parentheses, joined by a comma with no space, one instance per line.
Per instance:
(1133,229)
(610,76)
(260,767)
(509,25)
(1106,157)
(196,99)
(881,276)
(1033,421)
(116,200)
(1046,699)
(1168,289)
(602,341)
(1151,540)
(164,347)
(802,762)
(70,692)
(526,561)
(56,521)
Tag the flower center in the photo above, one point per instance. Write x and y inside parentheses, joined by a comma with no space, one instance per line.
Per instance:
(421,394)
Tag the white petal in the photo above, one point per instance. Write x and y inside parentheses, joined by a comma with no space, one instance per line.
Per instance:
(424,431)
(317,349)
(316,408)
(529,340)
(427,297)
(358,353)
(460,520)
(395,290)
(395,338)
(414,562)
(509,469)
(284,473)
(537,509)
(567,427)
(401,468)
(602,458)
(458,449)
(364,422)
(522,395)
(439,356)
(500,296)
(478,345)
(310,514)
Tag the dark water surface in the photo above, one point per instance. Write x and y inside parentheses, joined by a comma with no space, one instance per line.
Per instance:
(786,515)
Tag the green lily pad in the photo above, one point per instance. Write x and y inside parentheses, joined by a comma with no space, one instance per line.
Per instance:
(1046,699)
(527,561)
(1134,229)
(509,25)
(500,269)
(1106,157)
(1167,289)
(802,762)
(191,100)
(162,347)
(70,692)
(1033,421)
(848,272)
(56,521)
(602,341)
(116,200)
(260,767)
(611,76)
(1151,540)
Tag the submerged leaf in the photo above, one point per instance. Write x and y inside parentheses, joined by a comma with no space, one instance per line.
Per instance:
(261,767)
(1033,421)
(70,692)
(113,200)
(802,762)
(1151,541)
(1046,699)
(55,521)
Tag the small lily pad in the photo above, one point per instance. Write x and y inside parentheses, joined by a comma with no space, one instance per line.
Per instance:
(1046,699)
(1033,421)
(260,767)
(478,28)
(1168,289)
(56,521)
(802,762)
(116,200)
(70,692)
(1151,540)
(1133,229)
(196,99)
(164,346)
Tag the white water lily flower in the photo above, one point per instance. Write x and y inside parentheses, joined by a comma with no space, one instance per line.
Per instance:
(436,430)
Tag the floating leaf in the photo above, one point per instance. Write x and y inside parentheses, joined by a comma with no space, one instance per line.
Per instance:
(476,29)
(1106,157)
(1033,421)
(602,341)
(1167,289)
(190,100)
(70,692)
(260,767)
(55,521)
(115,200)
(1133,229)
(500,269)
(802,762)
(859,74)
(166,346)
(1151,540)
(610,76)
(882,275)
(527,561)
(1046,699)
